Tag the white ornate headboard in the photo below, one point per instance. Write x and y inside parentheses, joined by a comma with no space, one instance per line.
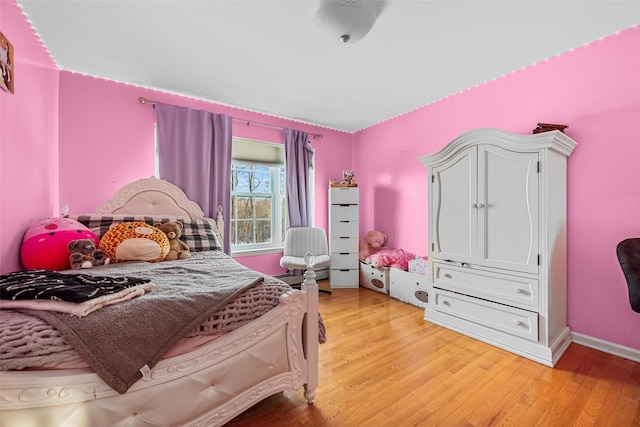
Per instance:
(153,196)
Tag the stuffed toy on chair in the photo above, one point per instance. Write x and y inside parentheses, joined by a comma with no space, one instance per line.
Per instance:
(84,254)
(177,248)
(371,243)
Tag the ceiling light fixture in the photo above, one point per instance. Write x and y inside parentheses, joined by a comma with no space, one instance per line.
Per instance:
(345,21)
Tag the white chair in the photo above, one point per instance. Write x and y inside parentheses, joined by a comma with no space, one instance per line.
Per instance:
(298,241)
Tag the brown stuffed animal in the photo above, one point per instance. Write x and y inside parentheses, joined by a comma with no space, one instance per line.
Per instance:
(371,243)
(177,248)
(85,255)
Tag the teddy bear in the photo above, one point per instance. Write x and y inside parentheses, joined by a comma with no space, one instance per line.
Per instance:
(177,248)
(371,243)
(84,254)
(388,257)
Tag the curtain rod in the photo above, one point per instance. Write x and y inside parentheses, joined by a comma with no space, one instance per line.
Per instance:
(248,122)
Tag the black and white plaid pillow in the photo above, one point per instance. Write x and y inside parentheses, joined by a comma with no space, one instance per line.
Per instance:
(198,234)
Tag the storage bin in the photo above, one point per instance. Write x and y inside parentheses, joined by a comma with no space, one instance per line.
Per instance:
(408,287)
(376,279)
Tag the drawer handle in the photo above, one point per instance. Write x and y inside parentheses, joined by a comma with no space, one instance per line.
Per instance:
(521,291)
(445,302)
(520,323)
(447,275)
(454,262)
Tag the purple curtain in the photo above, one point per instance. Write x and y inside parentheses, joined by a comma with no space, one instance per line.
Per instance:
(298,155)
(194,153)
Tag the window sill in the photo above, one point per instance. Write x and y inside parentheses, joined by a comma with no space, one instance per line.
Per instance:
(254,252)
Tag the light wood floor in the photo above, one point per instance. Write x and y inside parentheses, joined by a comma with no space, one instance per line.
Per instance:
(383,365)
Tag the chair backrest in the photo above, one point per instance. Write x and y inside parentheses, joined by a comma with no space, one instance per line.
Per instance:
(628,252)
(300,240)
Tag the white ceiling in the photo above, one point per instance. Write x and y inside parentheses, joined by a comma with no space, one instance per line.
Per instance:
(266,55)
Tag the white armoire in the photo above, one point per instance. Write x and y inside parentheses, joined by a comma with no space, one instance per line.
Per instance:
(497,240)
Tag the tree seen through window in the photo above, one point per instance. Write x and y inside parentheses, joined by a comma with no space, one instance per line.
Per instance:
(257,205)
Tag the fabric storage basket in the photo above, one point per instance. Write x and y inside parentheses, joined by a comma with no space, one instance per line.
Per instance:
(419,265)
(376,279)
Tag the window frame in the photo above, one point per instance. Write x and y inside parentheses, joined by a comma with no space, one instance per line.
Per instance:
(260,249)
(276,244)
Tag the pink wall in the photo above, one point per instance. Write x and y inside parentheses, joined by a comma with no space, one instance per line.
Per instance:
(106,141)
(28,137)
(594,89)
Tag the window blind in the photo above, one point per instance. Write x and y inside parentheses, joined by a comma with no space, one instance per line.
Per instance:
(256,152)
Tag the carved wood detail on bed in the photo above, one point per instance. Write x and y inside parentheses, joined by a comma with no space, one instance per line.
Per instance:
(153,196)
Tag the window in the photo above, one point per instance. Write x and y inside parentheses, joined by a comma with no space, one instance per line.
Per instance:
(258,196)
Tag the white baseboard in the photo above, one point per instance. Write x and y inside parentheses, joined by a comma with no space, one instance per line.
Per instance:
(606,346)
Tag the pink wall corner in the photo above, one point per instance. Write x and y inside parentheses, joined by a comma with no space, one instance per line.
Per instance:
(107,140)
(28,137)
(595,89)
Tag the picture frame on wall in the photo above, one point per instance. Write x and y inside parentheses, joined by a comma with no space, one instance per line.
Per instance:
(7,72)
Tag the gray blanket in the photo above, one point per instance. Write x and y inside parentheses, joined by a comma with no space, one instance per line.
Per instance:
(119,341)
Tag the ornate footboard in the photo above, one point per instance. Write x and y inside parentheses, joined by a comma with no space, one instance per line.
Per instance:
(207,387)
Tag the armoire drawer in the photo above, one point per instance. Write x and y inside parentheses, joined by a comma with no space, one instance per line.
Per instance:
(344,213)
(344,261)
(511,320)
(345,244)
(508,289)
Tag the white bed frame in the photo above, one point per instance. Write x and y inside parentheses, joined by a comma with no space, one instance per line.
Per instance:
(207,387)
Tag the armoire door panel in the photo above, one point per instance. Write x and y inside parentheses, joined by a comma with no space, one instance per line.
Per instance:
(508,209)
(455,222)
